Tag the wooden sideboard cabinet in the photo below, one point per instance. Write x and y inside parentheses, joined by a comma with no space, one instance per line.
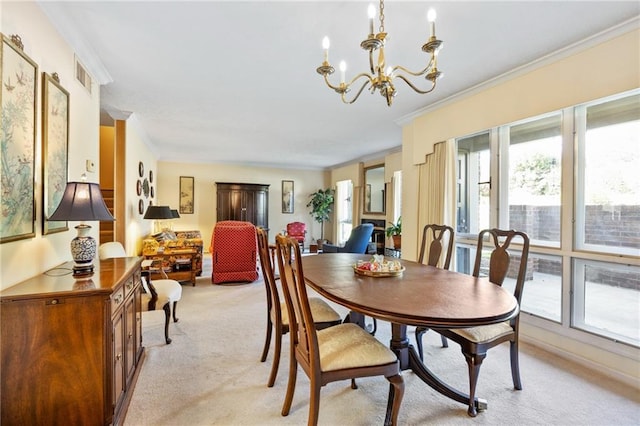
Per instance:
(247,202)
(71,350)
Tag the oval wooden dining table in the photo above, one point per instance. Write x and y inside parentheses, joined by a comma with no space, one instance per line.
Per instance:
(421,296)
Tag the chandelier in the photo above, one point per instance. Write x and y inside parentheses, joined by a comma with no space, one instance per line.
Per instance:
(381,76)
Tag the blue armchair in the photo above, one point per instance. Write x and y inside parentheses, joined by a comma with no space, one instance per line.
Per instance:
(357,242)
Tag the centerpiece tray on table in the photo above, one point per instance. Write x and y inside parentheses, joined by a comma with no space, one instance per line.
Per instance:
(378,266)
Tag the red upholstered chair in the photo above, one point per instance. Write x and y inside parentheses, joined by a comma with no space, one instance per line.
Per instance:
(297,231)
(234,250)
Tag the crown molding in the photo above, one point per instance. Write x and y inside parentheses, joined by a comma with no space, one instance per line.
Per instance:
(67,29)
(570,50)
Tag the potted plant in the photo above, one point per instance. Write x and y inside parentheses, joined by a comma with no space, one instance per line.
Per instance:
(321,205)
(395,232)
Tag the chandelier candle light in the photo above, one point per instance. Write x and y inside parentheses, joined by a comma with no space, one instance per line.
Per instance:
(381,76)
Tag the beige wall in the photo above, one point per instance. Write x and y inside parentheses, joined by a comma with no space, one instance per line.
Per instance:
(137,150)
(206,175)
(25,258)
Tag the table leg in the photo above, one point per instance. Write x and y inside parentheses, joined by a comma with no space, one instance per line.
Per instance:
(410,360)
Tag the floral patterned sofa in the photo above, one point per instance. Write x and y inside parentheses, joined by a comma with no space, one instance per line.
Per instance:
(174,240)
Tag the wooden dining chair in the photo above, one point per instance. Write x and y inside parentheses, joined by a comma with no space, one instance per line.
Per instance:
(277,318)
(158,294)
(439,236)
(341,352)
(476,341)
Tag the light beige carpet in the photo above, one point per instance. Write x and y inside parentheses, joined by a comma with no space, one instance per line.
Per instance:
(211,375)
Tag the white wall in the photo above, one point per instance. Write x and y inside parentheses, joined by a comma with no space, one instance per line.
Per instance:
(206,175)
(22,259)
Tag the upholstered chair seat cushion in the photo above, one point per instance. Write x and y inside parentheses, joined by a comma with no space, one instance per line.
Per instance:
(349,346)
(169,289)
(484,333)
(146,297)
(320,310)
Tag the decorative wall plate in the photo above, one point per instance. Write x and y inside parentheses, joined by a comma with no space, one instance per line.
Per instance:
(141,169)
(145,188)
(151,176)
(139,187)
(141,207)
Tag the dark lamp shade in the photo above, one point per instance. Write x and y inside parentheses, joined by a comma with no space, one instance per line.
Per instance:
(158,212)
(82,201)
(175,214)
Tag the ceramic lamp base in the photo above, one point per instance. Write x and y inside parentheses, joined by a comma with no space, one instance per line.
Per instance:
(83,250)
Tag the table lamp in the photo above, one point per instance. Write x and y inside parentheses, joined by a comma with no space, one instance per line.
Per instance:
(82,201)
(159,213)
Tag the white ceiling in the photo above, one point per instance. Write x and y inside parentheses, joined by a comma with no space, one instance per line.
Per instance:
(235,81)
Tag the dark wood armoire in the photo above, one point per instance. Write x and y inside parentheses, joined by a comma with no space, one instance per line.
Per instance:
(248,202)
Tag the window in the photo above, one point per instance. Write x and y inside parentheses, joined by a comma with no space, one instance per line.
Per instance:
(344,210)
(608,196)
(397,195)
(570,179)
(607,300)
(474,183)
(534,179)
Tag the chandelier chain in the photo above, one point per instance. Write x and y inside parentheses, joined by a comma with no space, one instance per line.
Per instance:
(381,16)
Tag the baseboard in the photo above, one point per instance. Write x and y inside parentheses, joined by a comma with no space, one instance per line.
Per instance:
(605,370)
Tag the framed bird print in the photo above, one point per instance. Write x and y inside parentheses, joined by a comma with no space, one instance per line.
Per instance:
(55,141)
(18,95)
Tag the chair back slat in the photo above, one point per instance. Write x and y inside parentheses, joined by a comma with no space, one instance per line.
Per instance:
(439,235)
(301,323)
(273,296)
(499,241)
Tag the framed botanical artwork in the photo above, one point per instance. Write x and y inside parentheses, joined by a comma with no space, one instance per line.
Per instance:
(55,142)
(287,196)
(186,195)
(18,107)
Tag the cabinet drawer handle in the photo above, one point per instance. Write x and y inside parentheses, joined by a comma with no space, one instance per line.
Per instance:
(118,356)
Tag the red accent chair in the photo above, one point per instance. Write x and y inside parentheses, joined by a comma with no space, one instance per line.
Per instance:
(297,231)
(234,251)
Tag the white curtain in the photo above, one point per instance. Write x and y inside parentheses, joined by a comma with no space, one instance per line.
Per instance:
(437,191)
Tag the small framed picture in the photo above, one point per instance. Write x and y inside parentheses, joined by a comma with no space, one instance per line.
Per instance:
(287,196)
(186,195)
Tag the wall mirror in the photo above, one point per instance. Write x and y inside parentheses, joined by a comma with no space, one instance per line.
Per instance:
(374,190)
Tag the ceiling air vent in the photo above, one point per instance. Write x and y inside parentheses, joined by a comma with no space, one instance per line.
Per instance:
(83,76)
